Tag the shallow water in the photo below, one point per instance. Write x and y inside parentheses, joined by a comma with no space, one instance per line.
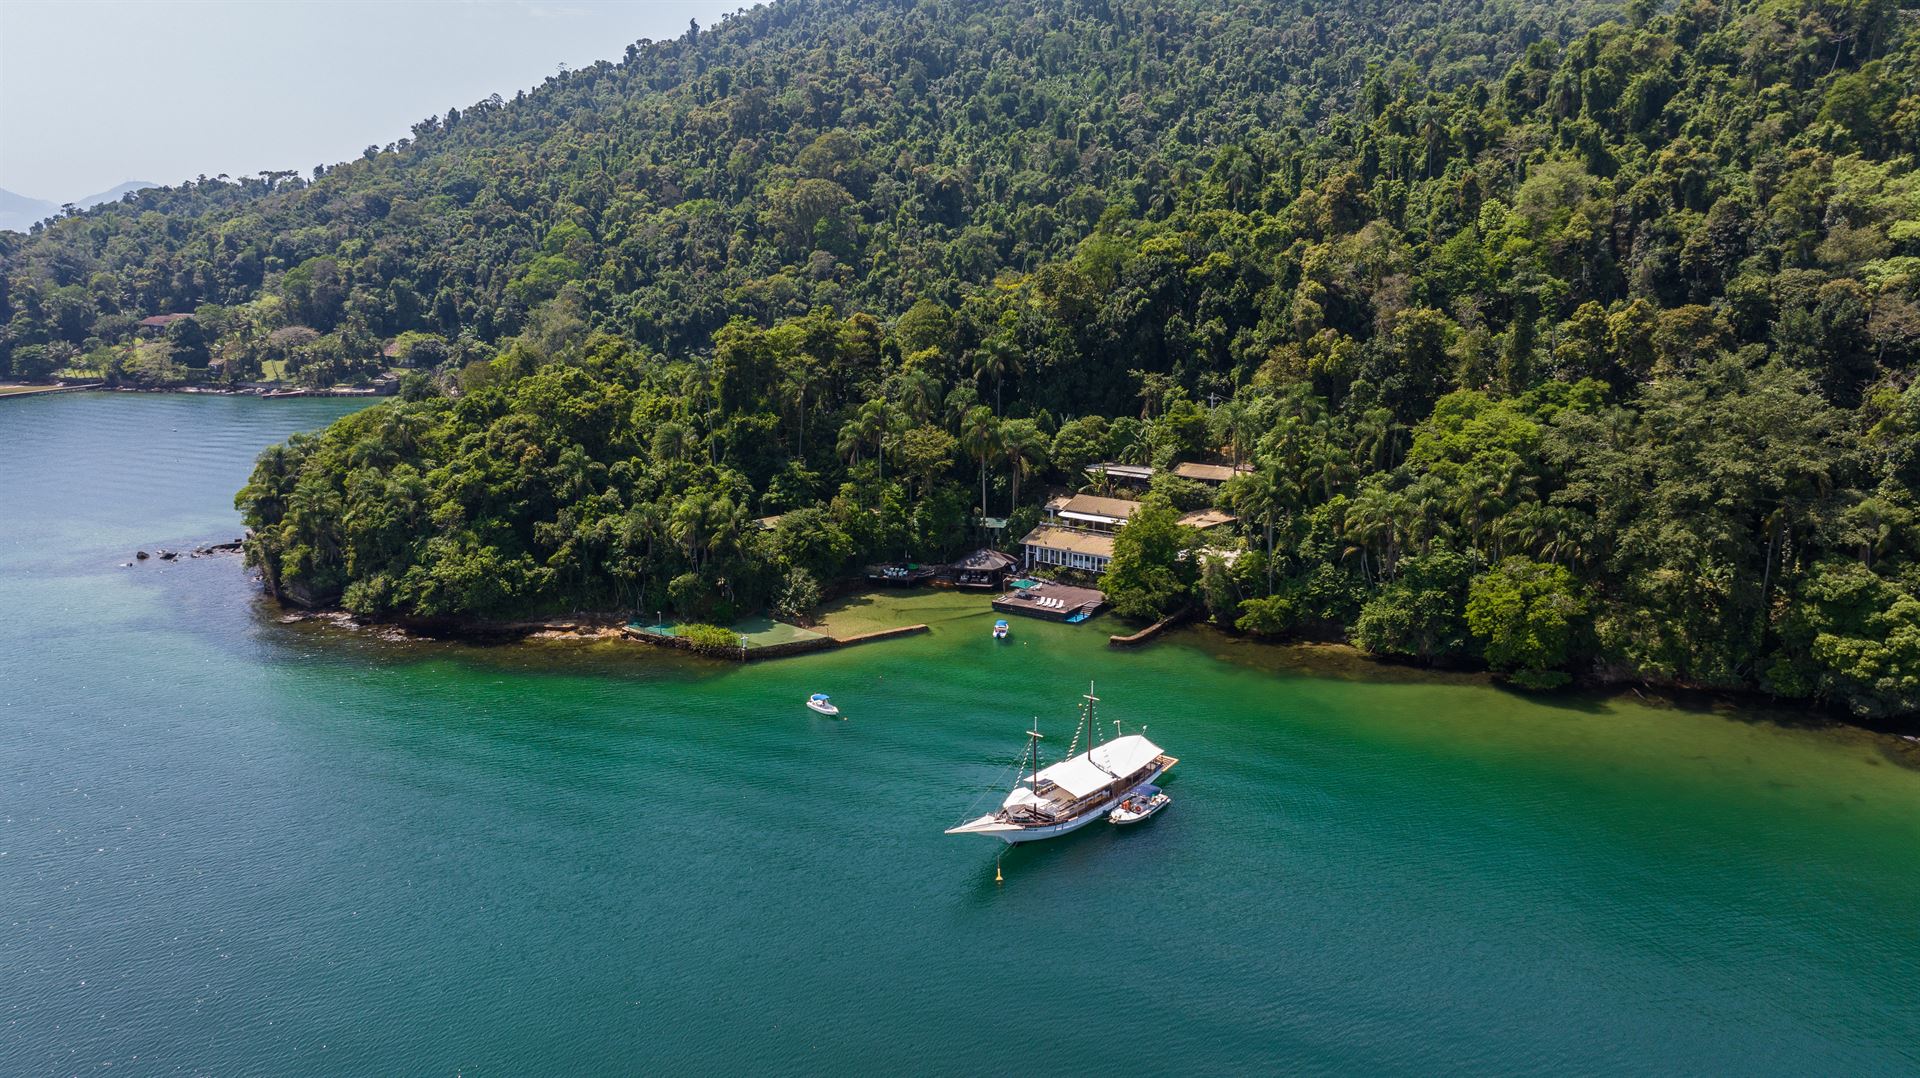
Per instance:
(232,845)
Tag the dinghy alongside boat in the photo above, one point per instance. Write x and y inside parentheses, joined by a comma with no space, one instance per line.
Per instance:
(1140,804)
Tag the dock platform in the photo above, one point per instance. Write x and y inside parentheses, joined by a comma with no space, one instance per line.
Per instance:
(1046,599)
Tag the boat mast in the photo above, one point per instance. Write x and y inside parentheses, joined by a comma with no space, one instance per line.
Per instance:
(1033,749)
(1093,730)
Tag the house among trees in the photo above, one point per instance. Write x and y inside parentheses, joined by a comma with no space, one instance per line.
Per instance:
(1141,474)
(1209,473)
(1114,472)
(157,324)
(1207,519)
(1078,532)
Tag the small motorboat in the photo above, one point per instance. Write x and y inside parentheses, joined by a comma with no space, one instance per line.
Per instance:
(819,702)
(1143,801)
(1000,629)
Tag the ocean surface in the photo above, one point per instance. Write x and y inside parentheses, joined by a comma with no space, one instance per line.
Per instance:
(233,845)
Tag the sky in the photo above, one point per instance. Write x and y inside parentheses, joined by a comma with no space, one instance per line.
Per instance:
(94,93)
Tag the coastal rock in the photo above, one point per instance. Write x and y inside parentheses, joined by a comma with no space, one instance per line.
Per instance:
(142,555)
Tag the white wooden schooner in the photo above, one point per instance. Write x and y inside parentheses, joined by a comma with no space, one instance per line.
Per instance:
(1049,802)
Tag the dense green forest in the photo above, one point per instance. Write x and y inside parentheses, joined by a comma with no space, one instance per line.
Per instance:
(1575,340)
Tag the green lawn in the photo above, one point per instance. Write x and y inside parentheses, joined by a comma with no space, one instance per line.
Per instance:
(754,632)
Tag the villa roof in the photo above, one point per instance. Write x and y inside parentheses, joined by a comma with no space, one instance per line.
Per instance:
(986,559)
(1101,765)
(161,321)
(1095,507)
(1067,539)
(1209,473)
(1116,470)
(1207,518)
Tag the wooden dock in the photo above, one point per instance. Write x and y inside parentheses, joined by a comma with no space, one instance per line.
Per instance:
(1055,602)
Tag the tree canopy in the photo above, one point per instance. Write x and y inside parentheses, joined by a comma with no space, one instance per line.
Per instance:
(1575,339)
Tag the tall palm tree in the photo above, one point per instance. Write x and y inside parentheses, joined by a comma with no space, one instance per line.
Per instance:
(1373,522)
(980,437)
(1232,424)
(1026,446)
(800,371)
(687,525)
(1266,496)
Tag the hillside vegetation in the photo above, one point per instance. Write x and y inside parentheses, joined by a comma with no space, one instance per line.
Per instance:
(1571,340)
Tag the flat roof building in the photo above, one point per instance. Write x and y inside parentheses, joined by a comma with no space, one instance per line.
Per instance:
(1122,473)
(1202,519)
(1209,473)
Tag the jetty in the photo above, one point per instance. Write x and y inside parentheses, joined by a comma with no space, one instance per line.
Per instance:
(1050,600)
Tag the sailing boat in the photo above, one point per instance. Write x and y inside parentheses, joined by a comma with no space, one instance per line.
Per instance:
(1051,801)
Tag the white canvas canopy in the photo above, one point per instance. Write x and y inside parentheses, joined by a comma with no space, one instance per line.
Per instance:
(1022,796)
(1103,764)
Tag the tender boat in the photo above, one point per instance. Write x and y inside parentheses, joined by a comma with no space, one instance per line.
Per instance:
(1000,629)
(1052,801)
(819,702)
(1140,803)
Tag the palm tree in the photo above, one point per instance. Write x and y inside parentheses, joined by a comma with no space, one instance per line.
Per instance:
(980,437)
(1373,520)
(997,357)
(919,393)
(687,525)
(1234,424)
(1377,439)
(870,425)
(1265,495)
(673,440)
(1154,387)
(796,381)
(1026,446)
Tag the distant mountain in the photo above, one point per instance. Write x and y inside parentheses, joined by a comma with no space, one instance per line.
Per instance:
(18,212)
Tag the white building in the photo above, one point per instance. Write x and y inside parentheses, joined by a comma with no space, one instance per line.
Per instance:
(1078,532)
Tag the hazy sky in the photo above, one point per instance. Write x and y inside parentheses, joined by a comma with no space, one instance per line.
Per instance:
(97,92)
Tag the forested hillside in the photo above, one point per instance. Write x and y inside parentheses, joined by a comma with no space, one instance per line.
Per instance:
(1574,340)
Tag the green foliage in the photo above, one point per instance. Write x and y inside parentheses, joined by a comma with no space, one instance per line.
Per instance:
(1153,569)
(1421,614)
(710,637)
(1527,615)
(1268,615)
(1853,637)
(1631,295)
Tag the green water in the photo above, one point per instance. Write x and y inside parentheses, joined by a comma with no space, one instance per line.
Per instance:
(230,845)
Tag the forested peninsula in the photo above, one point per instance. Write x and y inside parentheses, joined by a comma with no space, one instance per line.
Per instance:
(1575,340)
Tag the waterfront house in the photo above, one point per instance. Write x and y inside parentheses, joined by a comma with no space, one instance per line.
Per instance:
(984,568)
(1078,532)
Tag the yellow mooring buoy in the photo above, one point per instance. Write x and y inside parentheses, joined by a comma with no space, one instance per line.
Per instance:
(997,877)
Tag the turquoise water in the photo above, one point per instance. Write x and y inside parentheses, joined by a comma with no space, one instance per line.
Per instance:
(232,845)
